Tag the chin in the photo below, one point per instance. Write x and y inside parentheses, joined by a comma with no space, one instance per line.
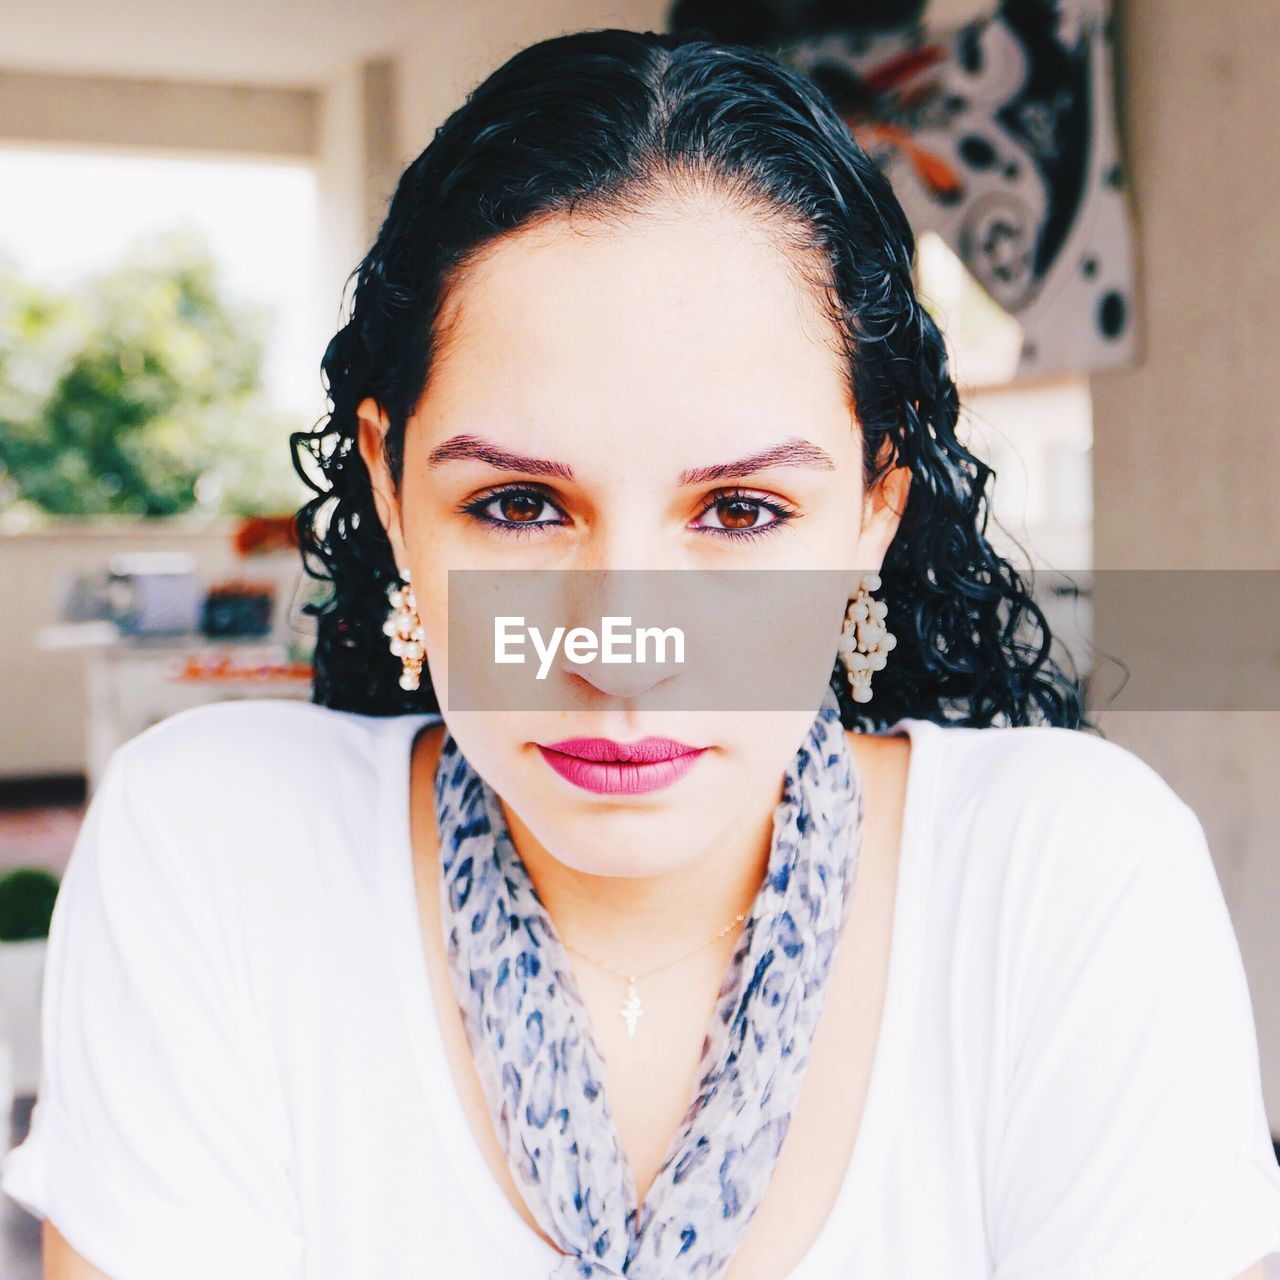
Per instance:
(625,845)
(615,835)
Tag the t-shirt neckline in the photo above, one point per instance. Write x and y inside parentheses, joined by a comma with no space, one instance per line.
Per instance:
(525,1247)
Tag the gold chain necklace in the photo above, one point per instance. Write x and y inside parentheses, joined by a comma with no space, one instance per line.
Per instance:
(632,1009)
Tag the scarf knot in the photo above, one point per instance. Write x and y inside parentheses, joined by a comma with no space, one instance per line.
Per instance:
(577,1268)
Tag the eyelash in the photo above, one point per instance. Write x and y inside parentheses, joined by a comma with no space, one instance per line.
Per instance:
(516,529)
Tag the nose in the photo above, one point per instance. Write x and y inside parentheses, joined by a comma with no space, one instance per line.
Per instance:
(628,537)
(625,609)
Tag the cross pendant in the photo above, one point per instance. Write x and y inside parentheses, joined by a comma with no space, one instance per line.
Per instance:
(632,1010)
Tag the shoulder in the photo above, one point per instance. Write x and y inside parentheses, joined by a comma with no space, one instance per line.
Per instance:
(256,743)
(1063,862)
(1069,776)
(267,813)
(1040,817)
(252,787)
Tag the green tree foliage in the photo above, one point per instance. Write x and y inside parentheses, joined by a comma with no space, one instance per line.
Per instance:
(139,392)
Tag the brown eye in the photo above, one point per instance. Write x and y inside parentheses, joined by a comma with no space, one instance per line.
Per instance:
(520,508)
(738,513)
(743,515)
(515,511)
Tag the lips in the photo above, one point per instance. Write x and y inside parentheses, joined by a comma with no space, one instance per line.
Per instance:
(608,767)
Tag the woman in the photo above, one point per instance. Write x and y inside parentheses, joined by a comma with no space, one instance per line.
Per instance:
(358,988)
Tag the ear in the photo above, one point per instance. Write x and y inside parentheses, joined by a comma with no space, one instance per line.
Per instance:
(882,510)
(371,439)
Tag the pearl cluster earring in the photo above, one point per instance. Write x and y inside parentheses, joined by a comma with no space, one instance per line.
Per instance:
(864,638)
(405,629)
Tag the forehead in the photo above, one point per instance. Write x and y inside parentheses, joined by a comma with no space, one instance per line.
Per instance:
(689,312)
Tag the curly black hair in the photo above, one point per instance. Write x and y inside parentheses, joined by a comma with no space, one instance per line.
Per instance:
(604,121)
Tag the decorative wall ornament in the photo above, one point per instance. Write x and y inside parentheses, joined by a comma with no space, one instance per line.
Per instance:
(1000,137)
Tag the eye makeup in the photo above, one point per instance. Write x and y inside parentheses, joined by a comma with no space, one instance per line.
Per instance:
(535,498)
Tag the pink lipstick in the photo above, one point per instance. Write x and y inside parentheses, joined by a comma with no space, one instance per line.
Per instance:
(620,768)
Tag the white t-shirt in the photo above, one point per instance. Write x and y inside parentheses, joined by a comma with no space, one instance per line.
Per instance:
(243,1075)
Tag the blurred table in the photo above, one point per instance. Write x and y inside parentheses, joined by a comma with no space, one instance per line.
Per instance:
(134,681)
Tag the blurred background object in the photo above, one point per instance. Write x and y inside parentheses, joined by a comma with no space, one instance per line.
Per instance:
(27,896)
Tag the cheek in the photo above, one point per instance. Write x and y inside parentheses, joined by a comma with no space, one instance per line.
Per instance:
(485,742)
(841,515)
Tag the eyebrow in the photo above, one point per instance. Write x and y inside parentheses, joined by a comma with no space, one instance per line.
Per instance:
(468,446)
(787,453)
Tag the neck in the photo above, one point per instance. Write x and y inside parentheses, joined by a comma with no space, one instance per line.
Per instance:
(632,923)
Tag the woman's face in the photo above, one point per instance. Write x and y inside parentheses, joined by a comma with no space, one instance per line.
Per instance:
(625,355)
